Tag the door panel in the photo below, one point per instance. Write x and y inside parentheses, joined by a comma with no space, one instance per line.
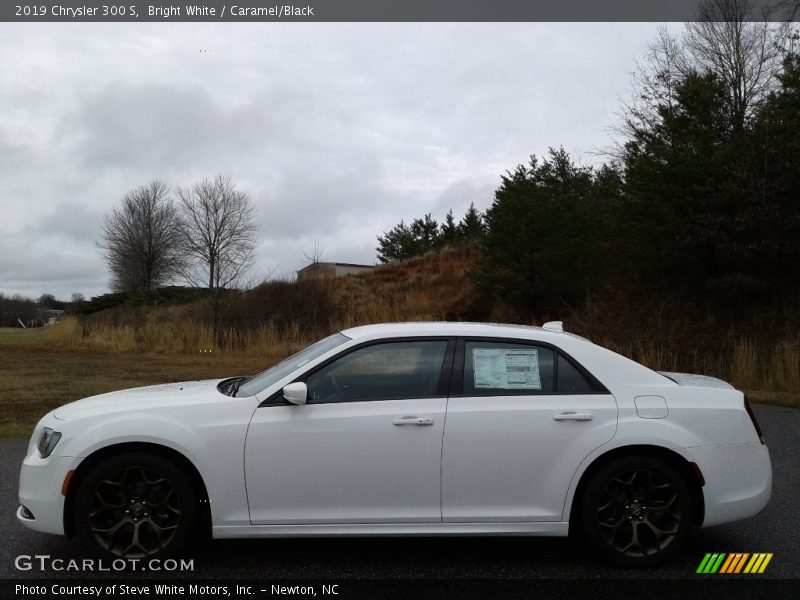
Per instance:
(516,433)
(508,459)
(366,448)
(345,462)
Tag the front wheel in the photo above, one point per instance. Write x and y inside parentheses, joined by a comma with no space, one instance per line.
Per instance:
(135,505)
(637,511)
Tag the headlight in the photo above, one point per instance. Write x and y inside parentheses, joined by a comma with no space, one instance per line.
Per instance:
(47,442)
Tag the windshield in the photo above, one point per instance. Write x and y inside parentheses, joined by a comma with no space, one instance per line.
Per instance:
(260,382)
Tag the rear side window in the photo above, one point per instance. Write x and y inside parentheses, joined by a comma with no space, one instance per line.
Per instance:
(571,380)
(507,368)
(498,368)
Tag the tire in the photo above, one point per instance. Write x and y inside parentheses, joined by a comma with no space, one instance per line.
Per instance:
(135,505)
(637,511)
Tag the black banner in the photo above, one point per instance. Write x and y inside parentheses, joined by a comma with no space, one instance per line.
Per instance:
(347,589)
(374,10)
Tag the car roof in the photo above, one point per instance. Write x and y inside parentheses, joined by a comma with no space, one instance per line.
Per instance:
(456,328)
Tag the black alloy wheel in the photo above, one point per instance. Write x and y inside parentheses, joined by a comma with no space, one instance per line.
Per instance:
(637,511)
(135,506)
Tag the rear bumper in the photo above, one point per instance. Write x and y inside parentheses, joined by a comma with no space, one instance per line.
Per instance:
(738,480)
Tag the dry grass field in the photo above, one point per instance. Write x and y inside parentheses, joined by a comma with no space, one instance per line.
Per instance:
(122,348)
(36,376)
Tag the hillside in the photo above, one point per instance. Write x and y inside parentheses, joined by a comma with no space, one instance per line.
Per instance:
(757,350)
(431,287)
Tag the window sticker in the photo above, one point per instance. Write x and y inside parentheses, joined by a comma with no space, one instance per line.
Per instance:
(506,369)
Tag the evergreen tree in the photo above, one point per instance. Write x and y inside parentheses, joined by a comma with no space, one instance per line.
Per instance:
(543,235)
(426,233)
(771,224)
(449,233)
(396,244)
(687,193)
(406,241)
(471,226)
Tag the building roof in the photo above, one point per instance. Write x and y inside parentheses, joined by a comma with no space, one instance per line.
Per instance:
(334,264)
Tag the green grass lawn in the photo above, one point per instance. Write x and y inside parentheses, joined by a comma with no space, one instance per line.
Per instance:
(16,336)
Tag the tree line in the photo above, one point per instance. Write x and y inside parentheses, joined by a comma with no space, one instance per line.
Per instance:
(16,308)
(699,194)
(426,234)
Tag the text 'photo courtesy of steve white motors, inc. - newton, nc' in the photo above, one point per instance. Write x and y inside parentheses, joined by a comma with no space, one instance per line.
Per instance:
(141,590)
(277,11)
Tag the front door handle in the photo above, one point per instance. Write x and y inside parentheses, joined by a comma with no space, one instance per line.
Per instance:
(573,416)
(412,420)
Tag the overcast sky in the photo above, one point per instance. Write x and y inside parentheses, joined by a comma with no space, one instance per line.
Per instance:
(337,131)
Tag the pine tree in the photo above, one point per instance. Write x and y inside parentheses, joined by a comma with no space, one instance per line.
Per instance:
(449,233)
(471,226)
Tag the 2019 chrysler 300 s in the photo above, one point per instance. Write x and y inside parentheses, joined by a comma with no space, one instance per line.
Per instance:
(406,429)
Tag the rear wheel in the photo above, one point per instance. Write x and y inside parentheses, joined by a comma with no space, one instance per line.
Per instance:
(637,511)
(135,505)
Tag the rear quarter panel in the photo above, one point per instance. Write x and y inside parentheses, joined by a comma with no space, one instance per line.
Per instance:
(701,422)
(696,417)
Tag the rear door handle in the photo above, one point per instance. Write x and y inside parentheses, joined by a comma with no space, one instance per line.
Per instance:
(573,416)
(412,420)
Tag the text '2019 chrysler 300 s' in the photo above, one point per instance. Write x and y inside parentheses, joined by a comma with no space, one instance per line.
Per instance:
(406,429)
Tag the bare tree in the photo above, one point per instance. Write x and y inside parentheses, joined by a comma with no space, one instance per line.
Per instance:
(655,79)
(141,239)
(314,255)
(218,232)
(735,40)
(739,41)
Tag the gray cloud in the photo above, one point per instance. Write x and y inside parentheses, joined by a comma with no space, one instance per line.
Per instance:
(33,267)
(338,131)
(147,127)
(71,219)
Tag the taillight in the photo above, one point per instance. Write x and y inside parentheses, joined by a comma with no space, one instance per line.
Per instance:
(750,412)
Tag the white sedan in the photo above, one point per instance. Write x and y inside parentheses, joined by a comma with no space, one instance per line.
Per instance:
(406,429)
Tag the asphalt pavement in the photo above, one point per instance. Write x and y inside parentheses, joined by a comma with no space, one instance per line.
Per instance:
(775,530)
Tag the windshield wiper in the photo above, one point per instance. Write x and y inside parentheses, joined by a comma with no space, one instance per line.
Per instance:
(233,388)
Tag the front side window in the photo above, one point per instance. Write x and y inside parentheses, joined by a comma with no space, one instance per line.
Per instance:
(385,371)
(507,368)
(275,373)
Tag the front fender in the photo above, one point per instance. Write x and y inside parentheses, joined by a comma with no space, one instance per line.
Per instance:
(215,449)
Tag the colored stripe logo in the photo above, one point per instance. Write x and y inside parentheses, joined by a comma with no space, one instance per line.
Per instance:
(735,562)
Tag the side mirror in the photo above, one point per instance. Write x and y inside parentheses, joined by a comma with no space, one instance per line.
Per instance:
(296,393)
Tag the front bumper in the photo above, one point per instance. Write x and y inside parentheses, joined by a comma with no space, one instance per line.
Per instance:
(738,480)
(40,482)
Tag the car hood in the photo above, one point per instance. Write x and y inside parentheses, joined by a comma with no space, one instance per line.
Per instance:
(187,393)
(693,380)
